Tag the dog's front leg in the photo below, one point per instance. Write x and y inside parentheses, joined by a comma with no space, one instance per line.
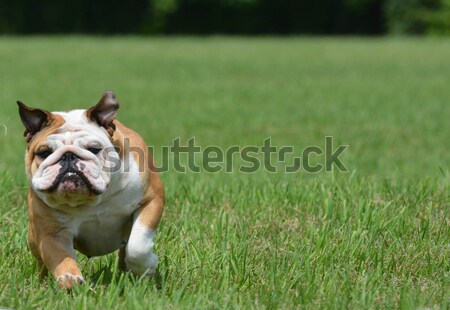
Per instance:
(139,256)
(52,244)
(58,255)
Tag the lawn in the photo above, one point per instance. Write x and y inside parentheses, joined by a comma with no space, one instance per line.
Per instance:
(377,236)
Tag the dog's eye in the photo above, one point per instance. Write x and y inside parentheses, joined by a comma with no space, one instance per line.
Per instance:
(44,154)
(94,150)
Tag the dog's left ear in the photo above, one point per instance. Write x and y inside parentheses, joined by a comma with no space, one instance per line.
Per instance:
(105,112)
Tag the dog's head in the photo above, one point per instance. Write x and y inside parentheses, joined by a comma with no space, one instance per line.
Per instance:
(68,152)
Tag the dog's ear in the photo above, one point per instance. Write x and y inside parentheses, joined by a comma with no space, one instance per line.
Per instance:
(105,112)
(33,119)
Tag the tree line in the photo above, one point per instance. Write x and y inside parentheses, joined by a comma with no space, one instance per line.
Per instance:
(245,17)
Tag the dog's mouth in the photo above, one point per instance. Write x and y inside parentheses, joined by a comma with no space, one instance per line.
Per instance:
(72,181)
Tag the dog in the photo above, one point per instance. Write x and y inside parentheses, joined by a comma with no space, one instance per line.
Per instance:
(88,191)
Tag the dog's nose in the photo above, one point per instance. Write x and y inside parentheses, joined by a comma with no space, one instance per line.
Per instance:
(69,156)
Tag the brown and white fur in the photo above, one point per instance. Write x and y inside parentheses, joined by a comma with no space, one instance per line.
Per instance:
(83,196)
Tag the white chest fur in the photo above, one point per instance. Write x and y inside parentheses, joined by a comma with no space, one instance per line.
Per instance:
(99,229)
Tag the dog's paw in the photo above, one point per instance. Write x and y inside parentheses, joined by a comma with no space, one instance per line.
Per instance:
(68,280)
(143,264)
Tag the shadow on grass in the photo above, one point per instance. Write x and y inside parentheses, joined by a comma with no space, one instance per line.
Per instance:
(111,274)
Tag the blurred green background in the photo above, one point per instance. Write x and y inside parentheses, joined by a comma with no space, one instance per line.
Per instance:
(386,98)
(226,16)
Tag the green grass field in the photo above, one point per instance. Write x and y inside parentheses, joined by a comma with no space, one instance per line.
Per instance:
(377,236)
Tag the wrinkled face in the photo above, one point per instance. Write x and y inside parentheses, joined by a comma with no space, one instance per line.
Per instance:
(70,163)
(69,154)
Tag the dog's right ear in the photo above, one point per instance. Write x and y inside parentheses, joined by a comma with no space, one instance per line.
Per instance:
(33,120)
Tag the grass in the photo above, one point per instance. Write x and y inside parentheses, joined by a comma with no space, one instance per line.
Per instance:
(375,237)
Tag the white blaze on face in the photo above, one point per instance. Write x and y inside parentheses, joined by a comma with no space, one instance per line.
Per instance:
(77,136)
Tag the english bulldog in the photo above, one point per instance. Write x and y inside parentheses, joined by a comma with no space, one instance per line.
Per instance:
(90,190)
